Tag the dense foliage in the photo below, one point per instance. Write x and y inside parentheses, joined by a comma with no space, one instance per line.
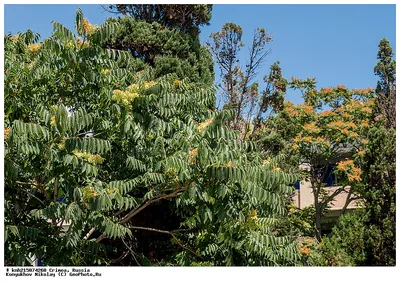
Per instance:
(155,40)
(115,152)
(91,144)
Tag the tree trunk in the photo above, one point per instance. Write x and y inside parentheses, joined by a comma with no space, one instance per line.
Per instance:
(318,213)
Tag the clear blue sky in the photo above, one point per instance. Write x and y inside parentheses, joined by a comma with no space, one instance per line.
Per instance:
(337,44)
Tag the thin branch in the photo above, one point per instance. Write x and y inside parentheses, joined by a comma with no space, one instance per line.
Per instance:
(55,189)
(89,234)
(131,251)
(117,260)
(150,201)
(109,10)
(29,193)
(165,232)
(54,220)
(138,209)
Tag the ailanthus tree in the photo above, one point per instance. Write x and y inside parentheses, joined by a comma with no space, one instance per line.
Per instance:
(316,138)
(91,144)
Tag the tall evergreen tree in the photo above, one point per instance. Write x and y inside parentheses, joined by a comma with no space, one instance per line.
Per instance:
(386,87)
(166,39)
(185,17)
(380,165)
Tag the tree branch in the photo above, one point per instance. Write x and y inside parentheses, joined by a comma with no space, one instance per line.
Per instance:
(150,201)
(332,196)
(117,260)
(165,232)
(135,211)
(131,251)
(54,220)
(55,189)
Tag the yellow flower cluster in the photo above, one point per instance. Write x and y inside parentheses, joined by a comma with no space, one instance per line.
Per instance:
(14,38)
(365,123)
(305,250)
(136,88)
(364,90)
(361,152)
(277,169)
(311,128)
(300,138)
(267,161)
(6,133)
(326,113)
(193,153)
(177,83)
(204,125)
(342,125)
(83,44)
(69,44)
(347,166)
(289,107)
(308,109)
(133,88)
(292,112)
(367,110)
(295,146)
(53,121)
(61,145)
(347,115)
(34,48)
(253,214)
(124,97)
(105,71)
(358,106)
(288,104)
(309,139)
(230,165)
(89,192)
(353,135)
(346,128)
(326,90)
(91,158)
(95,159)
(149,84)
(88,27)
(111,191)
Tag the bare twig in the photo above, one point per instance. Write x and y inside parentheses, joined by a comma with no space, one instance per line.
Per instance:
(29,193)
(131,251)
(117,260)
